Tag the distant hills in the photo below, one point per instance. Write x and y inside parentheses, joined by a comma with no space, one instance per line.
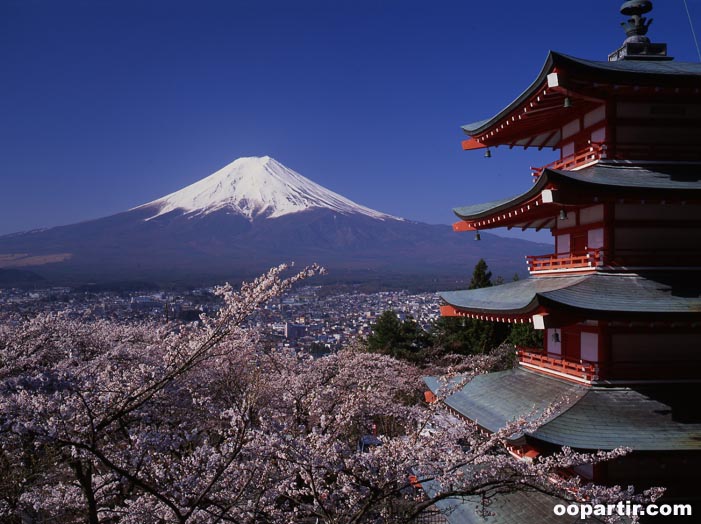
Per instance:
(246,217)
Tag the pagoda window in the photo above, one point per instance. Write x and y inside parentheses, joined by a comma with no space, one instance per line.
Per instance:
(553,341)
(595,238)
(571,129)
(562,243)
(598,136)
(589,343)
(568,149)
(591,215)
(595,116)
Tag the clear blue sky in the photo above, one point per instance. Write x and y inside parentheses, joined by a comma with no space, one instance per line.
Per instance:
(105,105)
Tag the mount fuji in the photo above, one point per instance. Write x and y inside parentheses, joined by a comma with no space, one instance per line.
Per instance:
(244,218)
(257,187)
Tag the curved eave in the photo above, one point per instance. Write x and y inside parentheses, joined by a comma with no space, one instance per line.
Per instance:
(490,209)
(579,75)
(655,417)
(479,127)
(643,418)
(651,296)
(511,299)
(615,176)
(646,295)
(594,183)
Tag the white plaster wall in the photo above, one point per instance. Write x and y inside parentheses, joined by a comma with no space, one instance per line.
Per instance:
(563,243)
(595,238)
(570,128)
(552,346)
(570,221)
(590,215)
(599,135)
(590,346)
(592,117)
(568,149)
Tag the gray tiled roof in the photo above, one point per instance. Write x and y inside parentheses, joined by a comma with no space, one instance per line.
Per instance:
(631,293)
(676,177)
(639,67)
(625,293)
(512,297)
(610,175)
(626,72)
(495,399)
(644,418)
(659,417)
(520,507)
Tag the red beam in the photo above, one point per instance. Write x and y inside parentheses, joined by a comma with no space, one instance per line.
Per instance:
(462,226)
(472,143)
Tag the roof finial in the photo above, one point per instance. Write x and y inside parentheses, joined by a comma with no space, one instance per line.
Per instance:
(637,45)
(637,25)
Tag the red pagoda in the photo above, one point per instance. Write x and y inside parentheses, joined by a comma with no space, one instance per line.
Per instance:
(620,298)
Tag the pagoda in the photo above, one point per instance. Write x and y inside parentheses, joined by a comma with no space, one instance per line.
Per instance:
(619,300)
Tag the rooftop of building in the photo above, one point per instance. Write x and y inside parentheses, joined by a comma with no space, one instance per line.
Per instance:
(612,178)
(650,417)
(657,74)
(518,507)
(600,295)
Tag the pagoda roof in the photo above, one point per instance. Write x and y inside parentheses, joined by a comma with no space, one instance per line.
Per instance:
(651,417)
(598,295)
(618,178)
(577,77)
(525,506)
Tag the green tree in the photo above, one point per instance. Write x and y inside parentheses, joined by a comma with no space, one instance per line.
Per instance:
(481,276)
(400,339)
(467,336)
(524,335)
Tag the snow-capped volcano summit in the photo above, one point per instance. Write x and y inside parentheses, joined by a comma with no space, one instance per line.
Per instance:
(257,187)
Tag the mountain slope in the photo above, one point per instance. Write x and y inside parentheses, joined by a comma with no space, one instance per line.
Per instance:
(256,187)
(250,215)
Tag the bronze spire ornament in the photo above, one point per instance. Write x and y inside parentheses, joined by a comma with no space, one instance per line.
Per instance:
(637,45)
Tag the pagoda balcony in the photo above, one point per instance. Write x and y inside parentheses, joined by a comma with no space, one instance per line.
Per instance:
(565,261)
(588,372)
(583,158)
(555,364)
(596,151)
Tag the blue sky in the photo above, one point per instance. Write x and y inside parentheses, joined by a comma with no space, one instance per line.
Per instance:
(105,105)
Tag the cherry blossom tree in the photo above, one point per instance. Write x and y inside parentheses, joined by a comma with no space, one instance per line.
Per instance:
(105,422)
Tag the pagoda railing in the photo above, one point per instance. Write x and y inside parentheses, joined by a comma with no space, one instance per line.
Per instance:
(589,155)
(580,370)
(595,151)
(588,371)
(559,261)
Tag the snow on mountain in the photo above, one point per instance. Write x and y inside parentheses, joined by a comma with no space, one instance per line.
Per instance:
(257,187)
